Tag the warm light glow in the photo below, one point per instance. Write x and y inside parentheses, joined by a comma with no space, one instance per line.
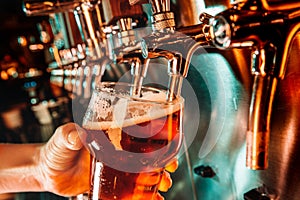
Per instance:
(22,41)
(33,72)
(48,3)
(12,72)
(57,72)
(4,75)
(36,47)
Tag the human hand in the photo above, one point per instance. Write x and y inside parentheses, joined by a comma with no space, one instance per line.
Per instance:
(164,182)
(63,162)
(64,165)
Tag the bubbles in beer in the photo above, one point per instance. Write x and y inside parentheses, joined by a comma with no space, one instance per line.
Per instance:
(133,135)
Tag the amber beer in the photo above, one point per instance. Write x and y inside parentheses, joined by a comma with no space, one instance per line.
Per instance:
(128,158)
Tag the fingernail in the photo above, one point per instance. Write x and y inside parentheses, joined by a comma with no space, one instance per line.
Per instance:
(74,140)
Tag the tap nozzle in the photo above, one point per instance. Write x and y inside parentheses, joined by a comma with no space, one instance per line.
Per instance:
(177,49)
(263,92)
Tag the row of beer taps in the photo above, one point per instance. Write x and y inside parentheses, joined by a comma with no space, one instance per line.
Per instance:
(113,40)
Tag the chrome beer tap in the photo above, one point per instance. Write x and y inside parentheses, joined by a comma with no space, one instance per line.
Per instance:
(269,32)
(177,47)
(129,51)
(122,40)
(163,26)
(90,21)
(62,24)
(80,18)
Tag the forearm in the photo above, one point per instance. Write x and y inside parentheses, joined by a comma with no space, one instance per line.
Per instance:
(18,168)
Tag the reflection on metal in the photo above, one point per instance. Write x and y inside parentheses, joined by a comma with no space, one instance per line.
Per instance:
(188,11)
(273,5)
(42,7)
(227,157)
(243,25)
(223,94)
(247,91)
(260,193)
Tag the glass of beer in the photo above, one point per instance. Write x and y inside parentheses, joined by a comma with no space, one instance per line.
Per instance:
(131,139)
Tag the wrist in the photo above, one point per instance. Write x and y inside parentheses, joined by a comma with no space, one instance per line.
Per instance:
(22,174)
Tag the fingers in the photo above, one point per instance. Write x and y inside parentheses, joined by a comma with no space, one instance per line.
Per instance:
(172,166)
(161,179)
(166,180)
(159,197)
(62,148)
(165,183)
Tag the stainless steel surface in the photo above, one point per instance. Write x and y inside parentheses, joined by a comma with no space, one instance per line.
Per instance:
(223,88)
(242,27)
(214,165)
(188,11)
(223,94)
(223,150)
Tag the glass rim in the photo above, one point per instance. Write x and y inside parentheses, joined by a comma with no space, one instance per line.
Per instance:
(177,100)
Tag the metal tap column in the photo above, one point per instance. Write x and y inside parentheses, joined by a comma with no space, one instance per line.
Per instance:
(165,42)
(269,32)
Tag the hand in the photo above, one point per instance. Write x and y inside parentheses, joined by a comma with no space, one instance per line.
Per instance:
(164,182)
(63,162)
(64,165)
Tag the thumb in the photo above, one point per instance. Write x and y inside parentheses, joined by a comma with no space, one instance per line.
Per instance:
(67,137)
(61,150)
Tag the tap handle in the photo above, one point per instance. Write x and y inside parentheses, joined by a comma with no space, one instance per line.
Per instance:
(162,17)
(87,82)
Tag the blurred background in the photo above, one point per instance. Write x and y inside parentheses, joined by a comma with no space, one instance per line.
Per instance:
(25,89)
(24,80)
(18,32)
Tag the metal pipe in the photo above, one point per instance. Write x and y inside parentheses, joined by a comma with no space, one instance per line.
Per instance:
(92,41)
(249,25)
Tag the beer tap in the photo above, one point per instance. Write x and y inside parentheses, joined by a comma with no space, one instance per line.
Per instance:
(174,46)
(268,31)
(90,21)
(126,48)
(62,23)
(83,17)
(129,51)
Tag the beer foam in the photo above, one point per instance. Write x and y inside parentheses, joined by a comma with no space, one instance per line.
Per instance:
(133,112)
(157,97)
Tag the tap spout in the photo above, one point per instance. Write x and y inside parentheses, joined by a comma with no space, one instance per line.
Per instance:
(130,52)
(177,49)
(263,92)
(174,64)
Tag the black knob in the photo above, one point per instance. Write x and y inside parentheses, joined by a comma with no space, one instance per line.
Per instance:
(260,193)
(255,195)
(204,171)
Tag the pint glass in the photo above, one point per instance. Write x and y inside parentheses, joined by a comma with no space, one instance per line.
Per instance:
(131,139)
